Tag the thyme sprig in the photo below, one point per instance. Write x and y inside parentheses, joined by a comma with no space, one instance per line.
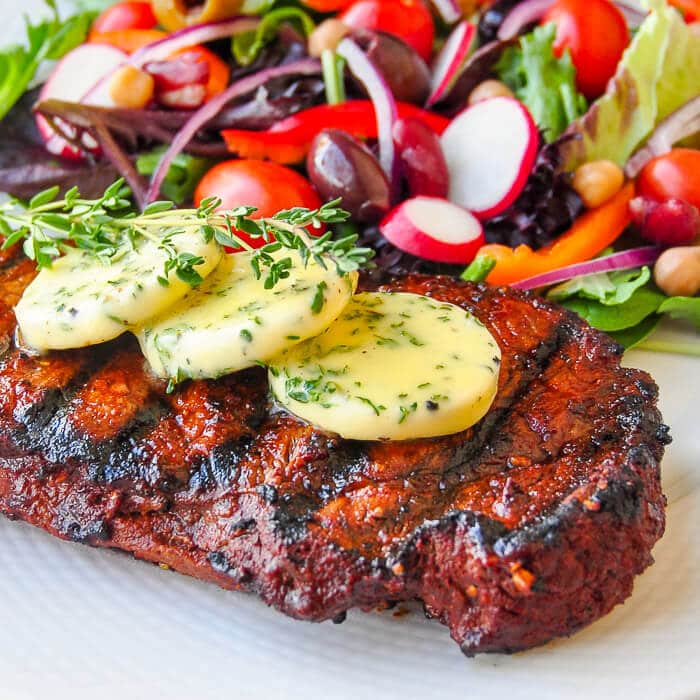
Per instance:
(108,228)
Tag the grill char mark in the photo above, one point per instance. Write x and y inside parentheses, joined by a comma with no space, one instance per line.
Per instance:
(228,460)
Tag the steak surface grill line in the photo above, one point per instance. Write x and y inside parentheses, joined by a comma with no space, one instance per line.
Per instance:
(527,526)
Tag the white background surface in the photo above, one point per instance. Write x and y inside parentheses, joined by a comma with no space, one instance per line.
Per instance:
(76,623)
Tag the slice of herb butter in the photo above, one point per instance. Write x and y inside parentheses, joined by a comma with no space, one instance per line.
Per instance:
(81,301)
(231,321)
(393,366)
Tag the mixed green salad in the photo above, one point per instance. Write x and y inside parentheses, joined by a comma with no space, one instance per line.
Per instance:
(544,144)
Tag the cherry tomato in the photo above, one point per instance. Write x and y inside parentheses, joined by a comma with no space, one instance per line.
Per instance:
(327,5)
(409,20)
(595,32)
(689,8)
(257,183)
(127,40)
(219,71)
(125,15)
(675,175)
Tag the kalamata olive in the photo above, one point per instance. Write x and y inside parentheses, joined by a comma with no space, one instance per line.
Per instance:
(340,166)
(492,19)
(421,157)
(404,70)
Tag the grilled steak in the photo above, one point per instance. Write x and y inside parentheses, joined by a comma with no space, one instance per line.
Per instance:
(527,526)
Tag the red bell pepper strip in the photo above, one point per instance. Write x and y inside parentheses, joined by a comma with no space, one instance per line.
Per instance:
(288,141)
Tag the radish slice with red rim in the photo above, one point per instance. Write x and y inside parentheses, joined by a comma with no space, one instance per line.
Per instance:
(490,150)
(434,229)
(71,79)
(451,61)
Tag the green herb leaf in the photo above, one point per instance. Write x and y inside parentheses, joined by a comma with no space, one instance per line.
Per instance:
(544,83)
(107,227)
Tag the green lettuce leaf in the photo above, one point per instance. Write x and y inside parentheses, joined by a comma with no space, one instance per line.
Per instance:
(609,288)
(659,72)
(643,302)
(544,83)
(630,337)
(684,308)
(183,176)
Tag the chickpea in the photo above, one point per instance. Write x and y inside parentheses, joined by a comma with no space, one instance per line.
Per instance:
(131,88)
(327,36)
(596,182)
(677,271)
(488,89)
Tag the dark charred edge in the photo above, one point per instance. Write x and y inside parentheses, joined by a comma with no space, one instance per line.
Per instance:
(222,467)
(41,423)
(622,497)
(349,457)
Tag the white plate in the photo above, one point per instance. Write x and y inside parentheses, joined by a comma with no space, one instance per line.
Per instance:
(77,623)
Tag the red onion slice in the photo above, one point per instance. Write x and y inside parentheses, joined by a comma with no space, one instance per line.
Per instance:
(306,66)
(521,15)
(382,99)
(625,260)
(448,10)
(684,122)
(634,15)
(190,36)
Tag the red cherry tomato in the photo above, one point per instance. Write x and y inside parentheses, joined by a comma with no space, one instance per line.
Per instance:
(327,5)
(675,175)
(125,15)
(257,183)
(689,8)
(409,20)
(595,32)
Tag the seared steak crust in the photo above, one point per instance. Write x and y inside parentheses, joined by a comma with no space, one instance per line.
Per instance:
(525,527)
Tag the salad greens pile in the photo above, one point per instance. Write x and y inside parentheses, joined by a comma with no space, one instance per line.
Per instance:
(659,72)
(544,83)
(624,304)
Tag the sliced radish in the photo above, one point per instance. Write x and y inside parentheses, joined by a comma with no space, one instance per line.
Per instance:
(434,229)
(72,79)
(490,150)
(451,60)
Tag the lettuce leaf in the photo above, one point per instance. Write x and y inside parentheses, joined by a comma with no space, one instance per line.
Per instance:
(609,288)
(683,308)
(659,72)
(642,303)
(544,83)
